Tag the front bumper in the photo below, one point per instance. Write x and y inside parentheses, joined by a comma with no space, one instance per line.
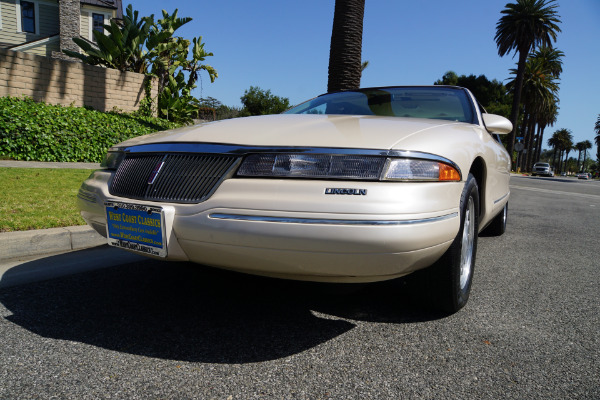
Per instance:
(292,229)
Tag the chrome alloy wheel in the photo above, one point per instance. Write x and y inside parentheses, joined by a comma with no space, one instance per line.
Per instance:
(468,238)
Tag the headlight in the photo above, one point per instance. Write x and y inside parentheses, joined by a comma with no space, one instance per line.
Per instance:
(320,166)
(349,167)
(113,158)
(420,170)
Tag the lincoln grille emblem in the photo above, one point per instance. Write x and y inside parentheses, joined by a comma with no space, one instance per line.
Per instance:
(155,172)
(355,192)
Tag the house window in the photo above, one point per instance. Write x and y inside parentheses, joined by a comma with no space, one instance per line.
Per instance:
(97,24)
(27,17)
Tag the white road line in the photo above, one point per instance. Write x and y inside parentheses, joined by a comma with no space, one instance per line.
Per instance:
(571,194)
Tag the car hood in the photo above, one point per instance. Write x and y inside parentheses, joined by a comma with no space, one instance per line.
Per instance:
(342,131)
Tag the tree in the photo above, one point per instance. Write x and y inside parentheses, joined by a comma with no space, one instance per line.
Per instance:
(540,96)
(586,146)
(167,57)
(580,147)
(550,61)
(523,26)
(597,138)
(449,78)
(554,142)
(213,109)
(210,102)
(547,117)
(176,72)
(346,45)
(260,102)
(492,95)
(563,140)
(122,48)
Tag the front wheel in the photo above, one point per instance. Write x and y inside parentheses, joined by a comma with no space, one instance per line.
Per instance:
(451,276)
(498,225)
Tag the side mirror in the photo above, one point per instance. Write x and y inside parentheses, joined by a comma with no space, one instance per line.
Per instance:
(497,124)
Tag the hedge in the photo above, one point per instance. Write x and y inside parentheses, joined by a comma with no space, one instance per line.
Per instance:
(41,132)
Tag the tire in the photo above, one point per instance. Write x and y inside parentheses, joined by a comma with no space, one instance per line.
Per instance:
(450,278)
(498,225)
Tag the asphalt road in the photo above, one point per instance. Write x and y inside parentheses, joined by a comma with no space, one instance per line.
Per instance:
(149,330)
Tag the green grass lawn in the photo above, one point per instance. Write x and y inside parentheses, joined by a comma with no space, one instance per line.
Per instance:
(39,198)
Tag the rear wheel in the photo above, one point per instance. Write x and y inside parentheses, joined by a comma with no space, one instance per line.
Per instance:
(451,276)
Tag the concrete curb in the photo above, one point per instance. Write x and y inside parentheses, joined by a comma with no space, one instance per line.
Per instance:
(47,241)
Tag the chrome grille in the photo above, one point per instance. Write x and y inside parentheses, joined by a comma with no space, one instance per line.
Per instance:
(183,178)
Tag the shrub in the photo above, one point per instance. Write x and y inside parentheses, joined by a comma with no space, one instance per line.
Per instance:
(40,132)
(257,101)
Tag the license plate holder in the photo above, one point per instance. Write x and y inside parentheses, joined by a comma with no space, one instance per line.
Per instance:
(136,227)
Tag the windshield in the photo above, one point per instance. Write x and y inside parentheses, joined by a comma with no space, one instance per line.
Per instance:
(447,103)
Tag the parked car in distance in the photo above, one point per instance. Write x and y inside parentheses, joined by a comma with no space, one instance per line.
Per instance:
(542,169)
(584,175)
(355,186)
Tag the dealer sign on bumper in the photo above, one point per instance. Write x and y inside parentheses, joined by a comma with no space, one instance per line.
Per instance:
(136,227)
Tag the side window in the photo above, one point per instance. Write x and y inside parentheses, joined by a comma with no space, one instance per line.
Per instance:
(320,109)
(27,17)
(97,24)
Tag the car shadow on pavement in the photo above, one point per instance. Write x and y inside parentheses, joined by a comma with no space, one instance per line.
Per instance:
(187,312)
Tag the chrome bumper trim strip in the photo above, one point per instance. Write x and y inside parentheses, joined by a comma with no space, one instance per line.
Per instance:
(320,221)
(501,198)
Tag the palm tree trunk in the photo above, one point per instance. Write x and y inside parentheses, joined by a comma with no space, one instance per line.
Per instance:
(538,151)
(560,152)
(346,45)
(566,159)
(531,134)
(521,155)
(514,113)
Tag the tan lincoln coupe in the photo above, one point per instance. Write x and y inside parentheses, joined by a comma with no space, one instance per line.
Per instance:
(355,186)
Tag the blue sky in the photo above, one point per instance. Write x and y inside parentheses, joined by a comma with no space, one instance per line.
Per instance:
(284,46)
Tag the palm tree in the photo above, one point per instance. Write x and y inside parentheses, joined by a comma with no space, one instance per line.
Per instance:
(568,147)
(597,138)
(565,138)
(588,145)
(540,90)
(579,146)
(554,142)
(551,59)
(547,117)
(523,26)
(346,45)
(551,63)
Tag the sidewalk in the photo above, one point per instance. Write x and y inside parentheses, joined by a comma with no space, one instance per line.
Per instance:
(40,164)
(22,244)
